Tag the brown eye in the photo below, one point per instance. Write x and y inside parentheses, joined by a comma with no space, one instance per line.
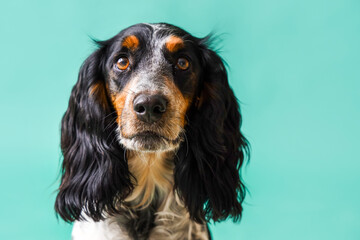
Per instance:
(122,63)
(182,63)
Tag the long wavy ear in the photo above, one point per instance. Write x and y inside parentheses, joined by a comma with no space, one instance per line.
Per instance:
(94,171)
(207,168)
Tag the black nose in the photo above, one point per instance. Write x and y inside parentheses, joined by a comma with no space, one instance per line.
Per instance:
(149,108)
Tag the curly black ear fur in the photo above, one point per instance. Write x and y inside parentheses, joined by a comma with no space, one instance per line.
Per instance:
(207,168)
(94,171)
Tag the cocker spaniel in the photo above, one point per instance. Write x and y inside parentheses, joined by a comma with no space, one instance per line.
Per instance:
(151,139)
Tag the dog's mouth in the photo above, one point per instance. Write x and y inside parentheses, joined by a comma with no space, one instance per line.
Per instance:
(148,136)
(150,141)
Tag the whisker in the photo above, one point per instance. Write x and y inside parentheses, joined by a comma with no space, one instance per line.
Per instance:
(131,90)
(187,119)
(109,125)
(187,144)
(115,137)
(109,115)
(110,134)
(177,157)
(125,154)
(128,91)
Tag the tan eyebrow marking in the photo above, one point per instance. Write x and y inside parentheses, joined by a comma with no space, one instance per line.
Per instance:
(174,43)
(131,42)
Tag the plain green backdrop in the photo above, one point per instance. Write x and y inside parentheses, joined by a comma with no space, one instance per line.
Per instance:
(295,66)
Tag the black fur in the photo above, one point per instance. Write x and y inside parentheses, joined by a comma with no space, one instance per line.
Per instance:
(95,175)
(207,172)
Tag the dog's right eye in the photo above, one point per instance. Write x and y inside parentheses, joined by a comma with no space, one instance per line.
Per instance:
(123,63)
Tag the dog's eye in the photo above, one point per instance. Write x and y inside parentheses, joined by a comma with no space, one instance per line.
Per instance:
(122,63)
(182,63)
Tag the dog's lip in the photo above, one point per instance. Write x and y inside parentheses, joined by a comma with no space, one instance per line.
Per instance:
(150,134)
(153,135)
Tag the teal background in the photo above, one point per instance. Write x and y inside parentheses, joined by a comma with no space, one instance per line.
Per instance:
(295,65)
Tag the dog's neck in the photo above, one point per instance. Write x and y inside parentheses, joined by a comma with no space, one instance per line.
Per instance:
(153,172)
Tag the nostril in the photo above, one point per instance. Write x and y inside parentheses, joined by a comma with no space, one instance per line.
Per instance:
(140,109)
(158,109)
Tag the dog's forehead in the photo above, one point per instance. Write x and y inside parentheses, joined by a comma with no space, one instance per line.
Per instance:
(154,36)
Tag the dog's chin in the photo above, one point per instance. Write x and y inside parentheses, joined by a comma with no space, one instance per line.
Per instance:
(150,142)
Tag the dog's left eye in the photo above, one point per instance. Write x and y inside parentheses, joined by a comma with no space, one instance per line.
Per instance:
(182,63)
(123,63)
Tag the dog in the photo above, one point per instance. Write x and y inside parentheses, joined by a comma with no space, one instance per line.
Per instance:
(151,140)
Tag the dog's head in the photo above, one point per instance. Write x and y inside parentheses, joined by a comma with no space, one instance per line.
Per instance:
(149,88)
(151,76)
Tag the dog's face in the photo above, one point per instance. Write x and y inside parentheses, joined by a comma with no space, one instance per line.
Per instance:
(152,74)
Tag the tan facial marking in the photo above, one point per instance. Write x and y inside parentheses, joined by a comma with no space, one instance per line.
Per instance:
(208,92)
(180,102)
(131,42)
(174,43)
(94,88)
(119,100)
(98,91)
